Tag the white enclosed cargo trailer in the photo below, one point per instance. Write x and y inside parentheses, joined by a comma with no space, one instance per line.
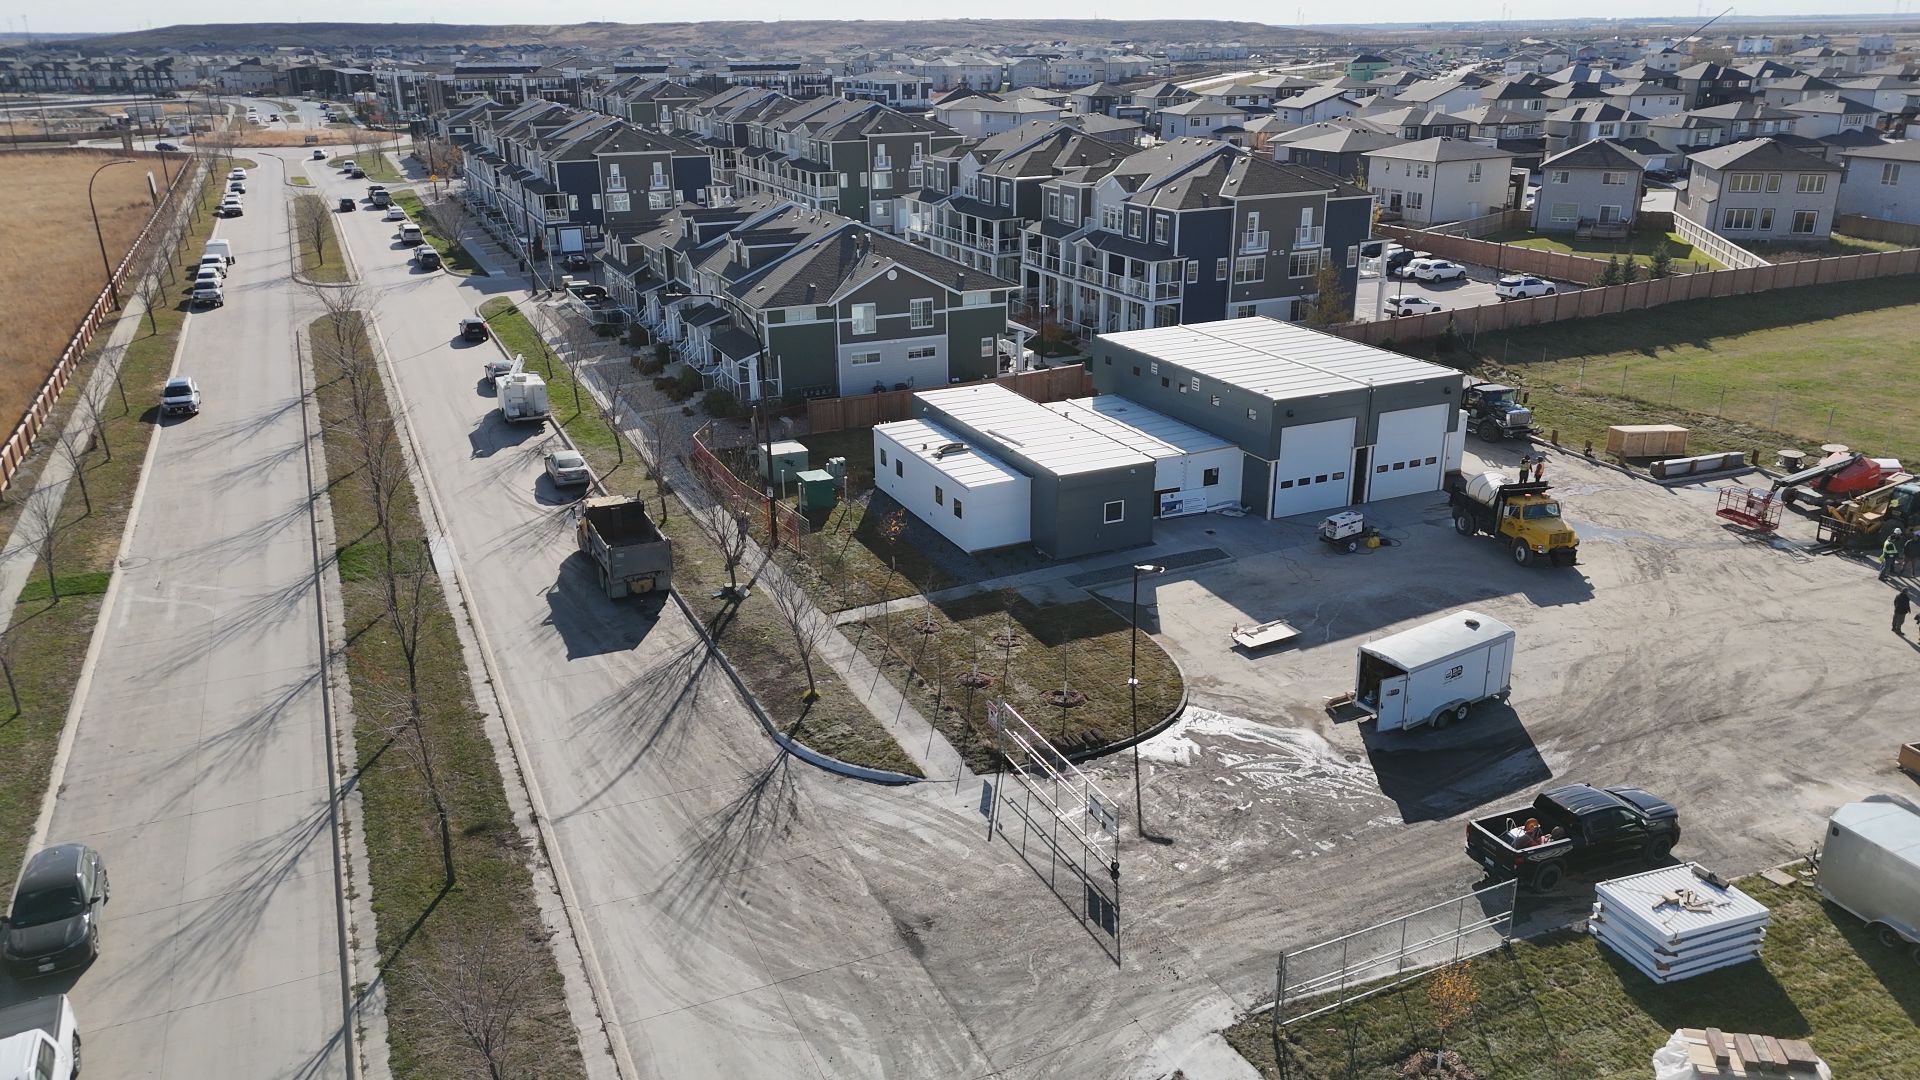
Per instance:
(1435,672)
(1870,865)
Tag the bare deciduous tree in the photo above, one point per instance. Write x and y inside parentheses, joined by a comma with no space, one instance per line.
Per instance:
(9,648)
(72,446)
(311,220)
(154,292)
(732,533)
(482,983)
(40,526)
(94,400)
(805,624)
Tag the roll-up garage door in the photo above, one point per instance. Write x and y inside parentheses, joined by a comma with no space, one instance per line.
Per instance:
(1312,471)
(1407,458)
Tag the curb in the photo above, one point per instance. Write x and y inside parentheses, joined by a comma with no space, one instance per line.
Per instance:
(785,742)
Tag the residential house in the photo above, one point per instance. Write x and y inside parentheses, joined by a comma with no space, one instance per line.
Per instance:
(1524,93)
(1701,128)
(1499,125)
(1765,73)
(978,199)
(1832,115)
(767,299)
(1849,61)
(1334,148)
(1200,117)
(894,89)
(1759,190)
(1411,123)
(1567,95)
(1882,182)
(248,76)
(1450,95)
(1159,95)
(978,116)
(1603,77)
(1754,45)
(1314,106)
(1781,93)
(1705,85)
(1595,186)
(1890,94)
(1439,180)
(1099,99)
(1189,231)
(1366,66)
(647,101)
(645,173)
(1568,128)
(851,157)
(1028,71)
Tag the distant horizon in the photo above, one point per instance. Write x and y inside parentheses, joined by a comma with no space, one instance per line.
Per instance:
(1310,15)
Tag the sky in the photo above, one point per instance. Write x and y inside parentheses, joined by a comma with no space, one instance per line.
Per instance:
(120,15)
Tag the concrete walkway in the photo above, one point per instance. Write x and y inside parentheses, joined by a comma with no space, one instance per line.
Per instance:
(917,737)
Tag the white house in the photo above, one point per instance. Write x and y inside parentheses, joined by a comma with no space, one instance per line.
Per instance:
(1439,180)
(1314,106)
(1882,182)
(1200,117)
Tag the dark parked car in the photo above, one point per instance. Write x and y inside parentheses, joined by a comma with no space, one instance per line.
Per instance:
(348,205)
(427,258)
(55,920)
(357,174)
(166,147)
(1664,176)
(474,330)
(577,261)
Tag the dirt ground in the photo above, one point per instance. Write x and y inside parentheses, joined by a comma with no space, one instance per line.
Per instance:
(1754,684)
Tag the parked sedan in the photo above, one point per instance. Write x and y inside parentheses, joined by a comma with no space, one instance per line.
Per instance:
(1522,287)
(1436,270)
(568,467)
(1400,259)
(347,206)
(394,213)
(166,148)
(1409,305)
(55,920)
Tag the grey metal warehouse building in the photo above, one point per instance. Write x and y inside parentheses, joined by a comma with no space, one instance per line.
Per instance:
(1087,492)
(1323,422)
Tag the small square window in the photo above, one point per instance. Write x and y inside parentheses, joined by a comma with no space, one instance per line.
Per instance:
(1398,465)
(956,508)
(1321,479)
(1379,468)
(1116,512)
(1107,360)
(1216,399)
(1136,371)
(1210,478)
(897,470)
(1339,476)
(1163,382)
(1430,461)
(1285,484)
(1414,464)
(1252,414)
(1304,481)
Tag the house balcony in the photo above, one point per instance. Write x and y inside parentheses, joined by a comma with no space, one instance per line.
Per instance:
(984,243)
(1309,236)
(1253,243)
(1150,289)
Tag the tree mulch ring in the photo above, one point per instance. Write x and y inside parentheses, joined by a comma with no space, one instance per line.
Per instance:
(977,680)
(1004,639)
(927,627)
(1065,699)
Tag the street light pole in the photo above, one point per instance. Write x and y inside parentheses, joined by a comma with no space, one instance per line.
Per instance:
(1133,687)
(97,235)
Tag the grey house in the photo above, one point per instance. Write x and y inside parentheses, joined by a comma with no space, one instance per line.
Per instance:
(1591,189)
(1759,191)
(1883,182)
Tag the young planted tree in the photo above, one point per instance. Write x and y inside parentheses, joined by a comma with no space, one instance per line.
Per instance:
(732,533)
(9,648)
(95,401)
(314,226)
(1610,275)
(42,530)
(1661,265)
(1332,303)
(1630,271)
(73,446)
(154,292)
(484,983)
(805,624)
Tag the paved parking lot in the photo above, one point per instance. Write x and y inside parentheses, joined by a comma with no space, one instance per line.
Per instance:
(1476,289)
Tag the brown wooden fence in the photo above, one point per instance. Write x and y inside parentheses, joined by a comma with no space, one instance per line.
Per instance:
(1887,232)
(866,410)
(1636,296)
(14,451)
(745,499)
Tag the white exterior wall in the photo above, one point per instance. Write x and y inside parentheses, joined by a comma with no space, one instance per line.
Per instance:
(1308,452)
(894,367)
(995,514)
(1863,193)
(1408,436)
(1187,475)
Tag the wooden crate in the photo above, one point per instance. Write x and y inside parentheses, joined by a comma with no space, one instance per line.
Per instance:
(1910,757)
(1647,440)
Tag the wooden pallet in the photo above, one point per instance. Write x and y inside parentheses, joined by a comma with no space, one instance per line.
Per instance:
(1716,1053)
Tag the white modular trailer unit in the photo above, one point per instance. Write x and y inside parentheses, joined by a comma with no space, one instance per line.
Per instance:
(1672,923)
(1870,863)
(967,496)
(1193,472)
(1435,672)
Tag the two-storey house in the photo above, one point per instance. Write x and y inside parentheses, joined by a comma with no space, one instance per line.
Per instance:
(1201,118)
(1882,182)
(1581,124)
(1593,188)
(1701,128)
(1649,99)
(1334,148)
(1188,231)
(1758,190)
(1823,116)
(1314,106)
(1705,85)
(1440,180)
(1411,123)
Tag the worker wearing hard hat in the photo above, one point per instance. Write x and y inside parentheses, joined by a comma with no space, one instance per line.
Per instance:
(1889,555)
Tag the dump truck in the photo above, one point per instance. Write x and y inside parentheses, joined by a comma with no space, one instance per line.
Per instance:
(1495,414)
(1521,515)
(616,533)
(1573,826)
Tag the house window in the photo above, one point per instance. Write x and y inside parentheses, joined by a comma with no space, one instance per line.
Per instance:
(1053,204)
(1249,269)
(923,352)
(1739,220)
(1193,271)
(956,508)
(1610,215)
(1219,269)
(1566,211)
(1614,179)
(1416,200)
(939,495)
(658,200)
(1116,512)
(1133,224)
(1210,478)
(1890,173)
(1253,414)
(1804,221)
(1560,176)
(882,181)
(986,346)
(922,313)
(620,203)
(1773,181)
(1766,219)
(1159,228)
(1110,218)
(865,319)
(883,457)
(1813,183)
(862,358)
(1473,173)
(897,470)
(596,200)
(1743,182)
(1304,264)
(1422,171)
(1353,257)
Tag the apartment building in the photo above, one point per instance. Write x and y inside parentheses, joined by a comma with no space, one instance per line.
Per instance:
(1190,230)
(855,158)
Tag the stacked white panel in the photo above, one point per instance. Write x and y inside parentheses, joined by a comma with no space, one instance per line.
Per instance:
(1708,928)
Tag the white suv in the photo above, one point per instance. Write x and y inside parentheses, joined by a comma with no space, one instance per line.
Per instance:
(1520,288)
(181,395)
(1409,305)
(1436,270)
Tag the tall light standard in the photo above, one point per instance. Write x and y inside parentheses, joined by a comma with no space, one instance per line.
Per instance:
(1133,686)
(97,235)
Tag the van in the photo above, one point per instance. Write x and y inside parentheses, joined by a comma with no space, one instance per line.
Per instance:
(222,248)
(410,234)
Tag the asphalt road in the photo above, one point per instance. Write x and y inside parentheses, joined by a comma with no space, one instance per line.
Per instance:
(1474,290)
(198,762)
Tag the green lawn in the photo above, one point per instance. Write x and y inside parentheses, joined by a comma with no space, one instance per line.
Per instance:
(425,923)
(321,256)
(1640,244)
(1562,1007)
(453,253)
(750,632)
(1836,244)
(1791,367)
(48,639)
(299,181)
(374,162)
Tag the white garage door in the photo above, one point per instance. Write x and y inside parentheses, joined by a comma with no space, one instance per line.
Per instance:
(1407,459)
(1312,472)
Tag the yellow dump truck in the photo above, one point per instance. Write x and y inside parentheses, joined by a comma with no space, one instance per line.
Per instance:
(1521,515)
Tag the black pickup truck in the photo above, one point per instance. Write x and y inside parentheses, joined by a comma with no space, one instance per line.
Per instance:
(1579,826)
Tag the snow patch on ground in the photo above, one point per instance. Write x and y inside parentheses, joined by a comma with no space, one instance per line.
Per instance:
(1292,761)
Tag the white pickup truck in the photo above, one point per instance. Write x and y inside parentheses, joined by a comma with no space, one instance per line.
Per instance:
(39,1040)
